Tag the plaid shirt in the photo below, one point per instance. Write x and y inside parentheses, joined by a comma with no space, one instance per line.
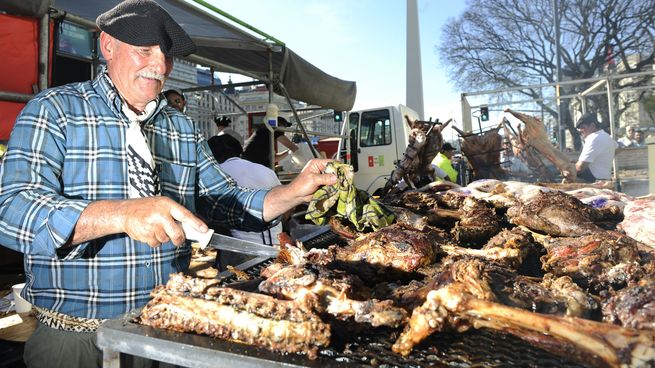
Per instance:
(68,149)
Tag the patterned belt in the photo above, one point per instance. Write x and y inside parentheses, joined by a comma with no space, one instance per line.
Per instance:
(65,322)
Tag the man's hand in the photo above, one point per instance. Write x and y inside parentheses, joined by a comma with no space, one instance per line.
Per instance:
(152,220)
(285,197)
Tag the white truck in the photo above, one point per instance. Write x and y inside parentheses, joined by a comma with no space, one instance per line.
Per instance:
(378,137)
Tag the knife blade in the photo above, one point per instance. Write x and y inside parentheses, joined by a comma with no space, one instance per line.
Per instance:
(228,243)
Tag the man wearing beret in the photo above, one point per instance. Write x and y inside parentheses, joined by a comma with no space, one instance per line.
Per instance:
(100,175)
(595,160)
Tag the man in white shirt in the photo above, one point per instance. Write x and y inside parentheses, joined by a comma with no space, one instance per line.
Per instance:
(226,150)
(595,161)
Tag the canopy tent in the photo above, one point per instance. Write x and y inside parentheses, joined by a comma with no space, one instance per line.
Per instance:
(224,46)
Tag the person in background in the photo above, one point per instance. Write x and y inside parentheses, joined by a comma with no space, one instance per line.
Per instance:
(640,138)
(99,178)
(223,126)
(443,161)
(226,150)
(595,160)
(629,139)
(258,146)
(175,100)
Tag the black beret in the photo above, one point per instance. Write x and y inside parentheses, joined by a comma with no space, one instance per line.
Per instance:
(588,118)
(145,23)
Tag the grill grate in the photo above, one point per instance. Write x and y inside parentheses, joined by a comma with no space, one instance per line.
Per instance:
(474,348)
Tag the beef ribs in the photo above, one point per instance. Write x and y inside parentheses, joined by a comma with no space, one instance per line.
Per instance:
(231,314)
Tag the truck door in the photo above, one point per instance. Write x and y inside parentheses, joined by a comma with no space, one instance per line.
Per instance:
(376,151)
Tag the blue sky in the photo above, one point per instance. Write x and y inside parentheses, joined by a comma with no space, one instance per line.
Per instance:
(360,40)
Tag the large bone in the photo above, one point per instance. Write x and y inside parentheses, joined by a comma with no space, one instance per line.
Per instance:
(534,133)
(595,343)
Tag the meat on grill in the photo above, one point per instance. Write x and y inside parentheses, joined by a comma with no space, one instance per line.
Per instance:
(329,291)
(508,248)
(242,316)
(457,306)
(605,260)
(633,306)
(534,135)
(470,220)
(555,213)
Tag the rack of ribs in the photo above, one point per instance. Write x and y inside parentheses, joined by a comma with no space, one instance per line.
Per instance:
(231,314)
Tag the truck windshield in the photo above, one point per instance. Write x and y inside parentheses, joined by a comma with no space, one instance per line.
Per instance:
(375,128)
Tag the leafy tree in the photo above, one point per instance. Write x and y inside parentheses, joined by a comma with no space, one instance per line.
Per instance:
(511,43)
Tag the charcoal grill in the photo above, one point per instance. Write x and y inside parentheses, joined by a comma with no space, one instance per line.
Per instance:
(367,347)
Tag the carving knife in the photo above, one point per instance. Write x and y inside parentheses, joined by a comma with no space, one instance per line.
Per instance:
(228,243)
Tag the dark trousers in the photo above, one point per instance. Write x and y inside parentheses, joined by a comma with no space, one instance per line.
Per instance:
(51,348)
(586,176)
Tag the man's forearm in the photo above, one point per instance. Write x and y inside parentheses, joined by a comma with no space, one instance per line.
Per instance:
(278,201)
(100,218)
(581,165)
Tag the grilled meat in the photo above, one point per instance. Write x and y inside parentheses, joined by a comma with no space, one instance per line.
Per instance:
(508,248)
(470,220)
(479,222)
(457,306)
(534,135)
(555,213)
(330,291)
(633,306)
(483,153)
(424,143)
(231,314)
(399,246)
(602,261)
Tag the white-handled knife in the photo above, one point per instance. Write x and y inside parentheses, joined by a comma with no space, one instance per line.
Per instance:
(224,242)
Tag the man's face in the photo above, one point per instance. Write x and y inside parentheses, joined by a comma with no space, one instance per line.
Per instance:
(586,129)
(138,72)
(176,101)
(630,132)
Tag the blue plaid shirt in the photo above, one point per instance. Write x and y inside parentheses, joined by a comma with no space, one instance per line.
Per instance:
(67,149)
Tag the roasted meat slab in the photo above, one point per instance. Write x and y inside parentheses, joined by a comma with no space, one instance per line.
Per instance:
(555,213)
(605,260)
(231,314)
(329,291)
(633,306)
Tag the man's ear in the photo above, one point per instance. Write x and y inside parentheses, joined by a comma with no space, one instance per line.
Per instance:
(107,45)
